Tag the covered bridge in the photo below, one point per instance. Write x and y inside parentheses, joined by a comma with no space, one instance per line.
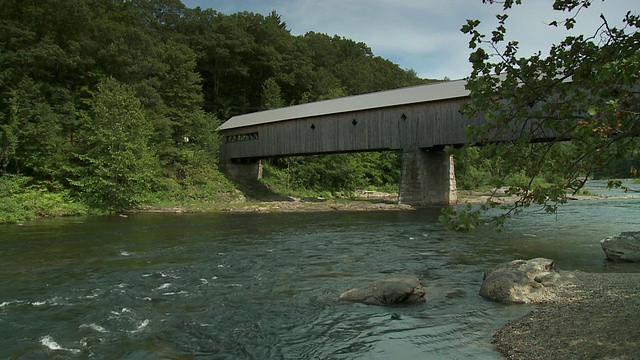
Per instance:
(419,120)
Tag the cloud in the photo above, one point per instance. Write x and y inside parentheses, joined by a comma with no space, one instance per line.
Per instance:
(423,35)
(417,34)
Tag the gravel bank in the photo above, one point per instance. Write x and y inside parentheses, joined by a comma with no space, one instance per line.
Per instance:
(597,319)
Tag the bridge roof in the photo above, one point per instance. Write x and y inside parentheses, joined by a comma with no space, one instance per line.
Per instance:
(403,96)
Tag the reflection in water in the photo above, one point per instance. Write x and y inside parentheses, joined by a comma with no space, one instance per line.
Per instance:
(264,286)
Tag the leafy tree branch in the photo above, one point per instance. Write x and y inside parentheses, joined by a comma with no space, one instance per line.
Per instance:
(585,91)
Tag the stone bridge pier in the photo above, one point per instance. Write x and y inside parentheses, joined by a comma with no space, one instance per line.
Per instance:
(427,178)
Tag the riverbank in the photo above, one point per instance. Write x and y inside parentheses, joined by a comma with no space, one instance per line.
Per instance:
(596,319)
(361,201)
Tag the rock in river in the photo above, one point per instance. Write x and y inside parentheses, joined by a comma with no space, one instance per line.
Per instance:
(623,247)
(397,290)
(522,281)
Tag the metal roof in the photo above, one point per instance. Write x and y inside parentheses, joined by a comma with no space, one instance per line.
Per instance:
(403,96)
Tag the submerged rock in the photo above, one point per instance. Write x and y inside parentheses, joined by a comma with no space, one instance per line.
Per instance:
(397,290)
(523,281)
(623,247)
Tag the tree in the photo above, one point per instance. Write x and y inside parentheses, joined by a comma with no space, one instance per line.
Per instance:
(585,91)
(345,67)
(271,95)
(30,135)
(118,168)
(43,66)
(95,94)
(222,46)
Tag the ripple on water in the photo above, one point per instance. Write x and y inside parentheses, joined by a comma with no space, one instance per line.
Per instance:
(275,295)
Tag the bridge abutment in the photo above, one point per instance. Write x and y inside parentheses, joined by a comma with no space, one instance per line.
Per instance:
(427,178)
(242,170)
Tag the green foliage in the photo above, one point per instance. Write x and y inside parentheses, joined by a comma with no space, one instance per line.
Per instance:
(194,177)
(21,199)
(31,133)
(271,95)
(619,169)
(11,210)
(344,67)
(461,220)
(584,92)
(117,102)
(239,53)
(488,167)
(474,168)
(118,168)
(334,174)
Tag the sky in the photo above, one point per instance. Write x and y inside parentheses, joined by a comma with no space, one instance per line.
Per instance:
(424,35)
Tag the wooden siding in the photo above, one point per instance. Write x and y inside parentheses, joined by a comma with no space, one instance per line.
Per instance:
(418,125)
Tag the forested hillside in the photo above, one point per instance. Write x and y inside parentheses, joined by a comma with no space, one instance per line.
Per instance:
(111,104)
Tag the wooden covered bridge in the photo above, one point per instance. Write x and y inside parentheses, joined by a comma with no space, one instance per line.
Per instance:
(418,120)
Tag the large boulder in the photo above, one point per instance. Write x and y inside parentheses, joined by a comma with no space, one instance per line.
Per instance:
(623,247)
(396,290)
(531,268)
(523,281)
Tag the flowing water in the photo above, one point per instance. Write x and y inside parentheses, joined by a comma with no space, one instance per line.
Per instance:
(264,286)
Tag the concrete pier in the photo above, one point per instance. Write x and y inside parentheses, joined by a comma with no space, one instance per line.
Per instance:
(427,178)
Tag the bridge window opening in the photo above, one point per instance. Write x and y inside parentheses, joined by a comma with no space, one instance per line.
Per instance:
(354,122)
(403,116)
(242,137)
(313,126)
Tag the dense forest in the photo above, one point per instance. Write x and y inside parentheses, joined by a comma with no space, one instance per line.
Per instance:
(110,104)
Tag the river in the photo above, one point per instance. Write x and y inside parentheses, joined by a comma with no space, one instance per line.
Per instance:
(265,286)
